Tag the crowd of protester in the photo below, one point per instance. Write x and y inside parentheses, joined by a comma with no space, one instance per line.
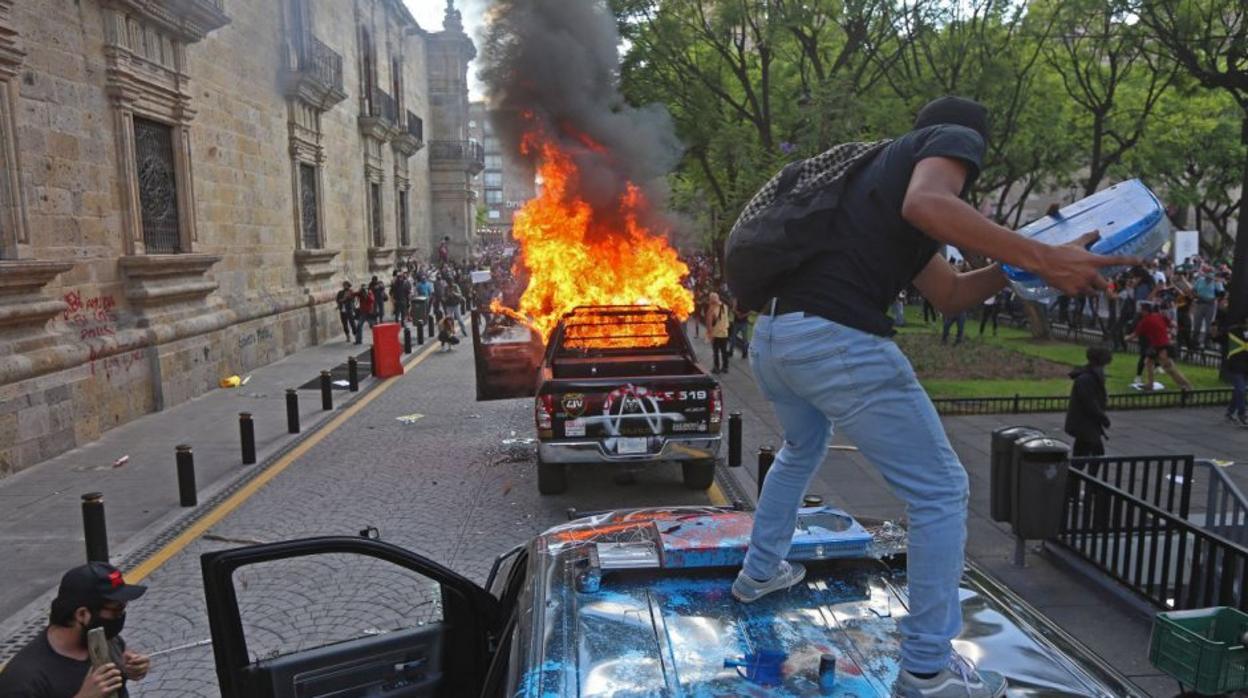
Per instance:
(419,290)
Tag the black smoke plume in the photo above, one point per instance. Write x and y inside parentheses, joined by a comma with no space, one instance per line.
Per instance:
(558,61)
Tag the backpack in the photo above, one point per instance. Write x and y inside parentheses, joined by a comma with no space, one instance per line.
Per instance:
(778,229)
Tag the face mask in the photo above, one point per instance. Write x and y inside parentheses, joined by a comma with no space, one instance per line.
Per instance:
(112,627)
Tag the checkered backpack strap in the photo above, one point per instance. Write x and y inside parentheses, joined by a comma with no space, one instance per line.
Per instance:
(808,175)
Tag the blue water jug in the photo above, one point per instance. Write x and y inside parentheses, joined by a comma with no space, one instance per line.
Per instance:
(1129,217)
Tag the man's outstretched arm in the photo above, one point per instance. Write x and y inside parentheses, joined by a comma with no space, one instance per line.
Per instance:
(932,205)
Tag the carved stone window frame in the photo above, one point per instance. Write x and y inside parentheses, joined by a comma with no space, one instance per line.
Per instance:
(145,52)
(306,149)
(14,234)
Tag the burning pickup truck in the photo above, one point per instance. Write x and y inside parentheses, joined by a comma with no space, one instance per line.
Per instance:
(614,384)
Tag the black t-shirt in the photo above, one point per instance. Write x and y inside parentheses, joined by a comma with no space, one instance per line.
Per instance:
(870,252)
(38,671)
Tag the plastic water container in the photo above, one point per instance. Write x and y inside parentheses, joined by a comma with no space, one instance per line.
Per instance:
(1129,217)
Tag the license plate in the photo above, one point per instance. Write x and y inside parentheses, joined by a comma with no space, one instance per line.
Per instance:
(574,427)
(630,446)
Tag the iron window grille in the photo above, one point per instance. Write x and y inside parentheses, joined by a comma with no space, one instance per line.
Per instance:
(375,211)
(158,190)
(405,238)
(308,207)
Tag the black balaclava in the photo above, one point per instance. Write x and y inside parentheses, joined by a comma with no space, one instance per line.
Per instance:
(954,110)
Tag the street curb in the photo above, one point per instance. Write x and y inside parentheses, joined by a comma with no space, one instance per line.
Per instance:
(25,624)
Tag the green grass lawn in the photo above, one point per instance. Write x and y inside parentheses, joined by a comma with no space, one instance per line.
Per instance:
(1012,362)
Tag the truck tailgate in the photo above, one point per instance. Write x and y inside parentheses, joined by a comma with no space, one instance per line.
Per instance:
(616,407)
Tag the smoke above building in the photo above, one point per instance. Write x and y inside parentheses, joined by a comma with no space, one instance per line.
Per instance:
(553,66)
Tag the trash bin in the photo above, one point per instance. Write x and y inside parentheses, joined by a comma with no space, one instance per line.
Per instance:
(387,352)
(420,308)
(1041,466)
(1001,477)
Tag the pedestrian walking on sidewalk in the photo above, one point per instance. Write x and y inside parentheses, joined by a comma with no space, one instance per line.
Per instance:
(1086,420)
(401,292)
(378,288)
(347,310)
(718,320)
(56,664)
(364,304)
(823,356)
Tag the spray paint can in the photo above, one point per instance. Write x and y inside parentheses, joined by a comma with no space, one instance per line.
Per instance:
(827,673)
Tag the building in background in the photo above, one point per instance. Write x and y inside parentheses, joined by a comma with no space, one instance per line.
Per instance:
(184,186)
(505,185)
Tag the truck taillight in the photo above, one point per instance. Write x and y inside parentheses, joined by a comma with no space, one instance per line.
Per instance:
(717,405)
(544,411)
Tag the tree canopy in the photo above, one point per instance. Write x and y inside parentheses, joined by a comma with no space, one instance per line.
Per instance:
(1081,92)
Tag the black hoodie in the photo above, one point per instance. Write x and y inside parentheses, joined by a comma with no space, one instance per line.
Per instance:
(1085,417)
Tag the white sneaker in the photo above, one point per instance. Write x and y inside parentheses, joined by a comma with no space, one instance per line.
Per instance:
(746,589)
(958,680)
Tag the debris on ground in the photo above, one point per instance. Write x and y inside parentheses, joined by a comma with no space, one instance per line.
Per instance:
(411,418)
(343,384)
(121,461)
(231,382)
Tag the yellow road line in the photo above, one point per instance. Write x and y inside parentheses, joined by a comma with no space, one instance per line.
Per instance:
(716,495)
(237,499)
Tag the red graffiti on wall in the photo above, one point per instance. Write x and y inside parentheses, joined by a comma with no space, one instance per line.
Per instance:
(94,317)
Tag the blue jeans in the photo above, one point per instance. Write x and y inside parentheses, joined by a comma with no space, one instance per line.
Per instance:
(1239,382)
(818,374)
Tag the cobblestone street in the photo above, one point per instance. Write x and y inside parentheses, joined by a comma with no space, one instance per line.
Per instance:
(457,485)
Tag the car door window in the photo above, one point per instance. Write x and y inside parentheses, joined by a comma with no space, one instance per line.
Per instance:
(297,604)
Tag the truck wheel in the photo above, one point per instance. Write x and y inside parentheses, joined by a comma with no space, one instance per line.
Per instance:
(551,477)
(698,474)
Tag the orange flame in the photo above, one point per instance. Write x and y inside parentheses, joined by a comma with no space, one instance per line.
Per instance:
(571,259)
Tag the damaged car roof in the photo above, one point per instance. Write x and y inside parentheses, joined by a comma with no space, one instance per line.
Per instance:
(638,603)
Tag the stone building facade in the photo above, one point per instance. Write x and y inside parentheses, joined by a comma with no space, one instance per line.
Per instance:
(506,184)
(184,184)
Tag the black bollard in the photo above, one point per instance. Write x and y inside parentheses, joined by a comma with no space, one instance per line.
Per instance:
(247,436)
(327,395)
(734,440)
(93,527)
(407,340)
(765,457)
(420,333)
(372,361)
(812,500)
(432,333)
(186,476)
(292,411)
(353,374)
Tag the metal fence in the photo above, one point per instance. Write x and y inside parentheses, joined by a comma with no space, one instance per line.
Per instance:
(1162,481)
(383,105)
(1019,404)
(1160,555)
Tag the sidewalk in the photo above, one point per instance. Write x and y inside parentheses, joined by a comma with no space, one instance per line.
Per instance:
(1109,627)
(40,520)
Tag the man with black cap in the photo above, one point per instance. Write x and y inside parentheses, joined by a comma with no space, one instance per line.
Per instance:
(56,663)
(822,354)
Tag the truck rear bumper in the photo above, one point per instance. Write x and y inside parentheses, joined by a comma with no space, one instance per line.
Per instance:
(675,448)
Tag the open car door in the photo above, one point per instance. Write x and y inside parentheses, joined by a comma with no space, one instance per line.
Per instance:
(366,618)
(507,358)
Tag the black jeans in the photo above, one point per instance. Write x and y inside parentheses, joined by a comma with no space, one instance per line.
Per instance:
(1087,448)
(719,348)
(347,324)
(990,312)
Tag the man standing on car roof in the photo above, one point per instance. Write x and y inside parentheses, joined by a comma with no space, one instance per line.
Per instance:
(56,663)
(822,355)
